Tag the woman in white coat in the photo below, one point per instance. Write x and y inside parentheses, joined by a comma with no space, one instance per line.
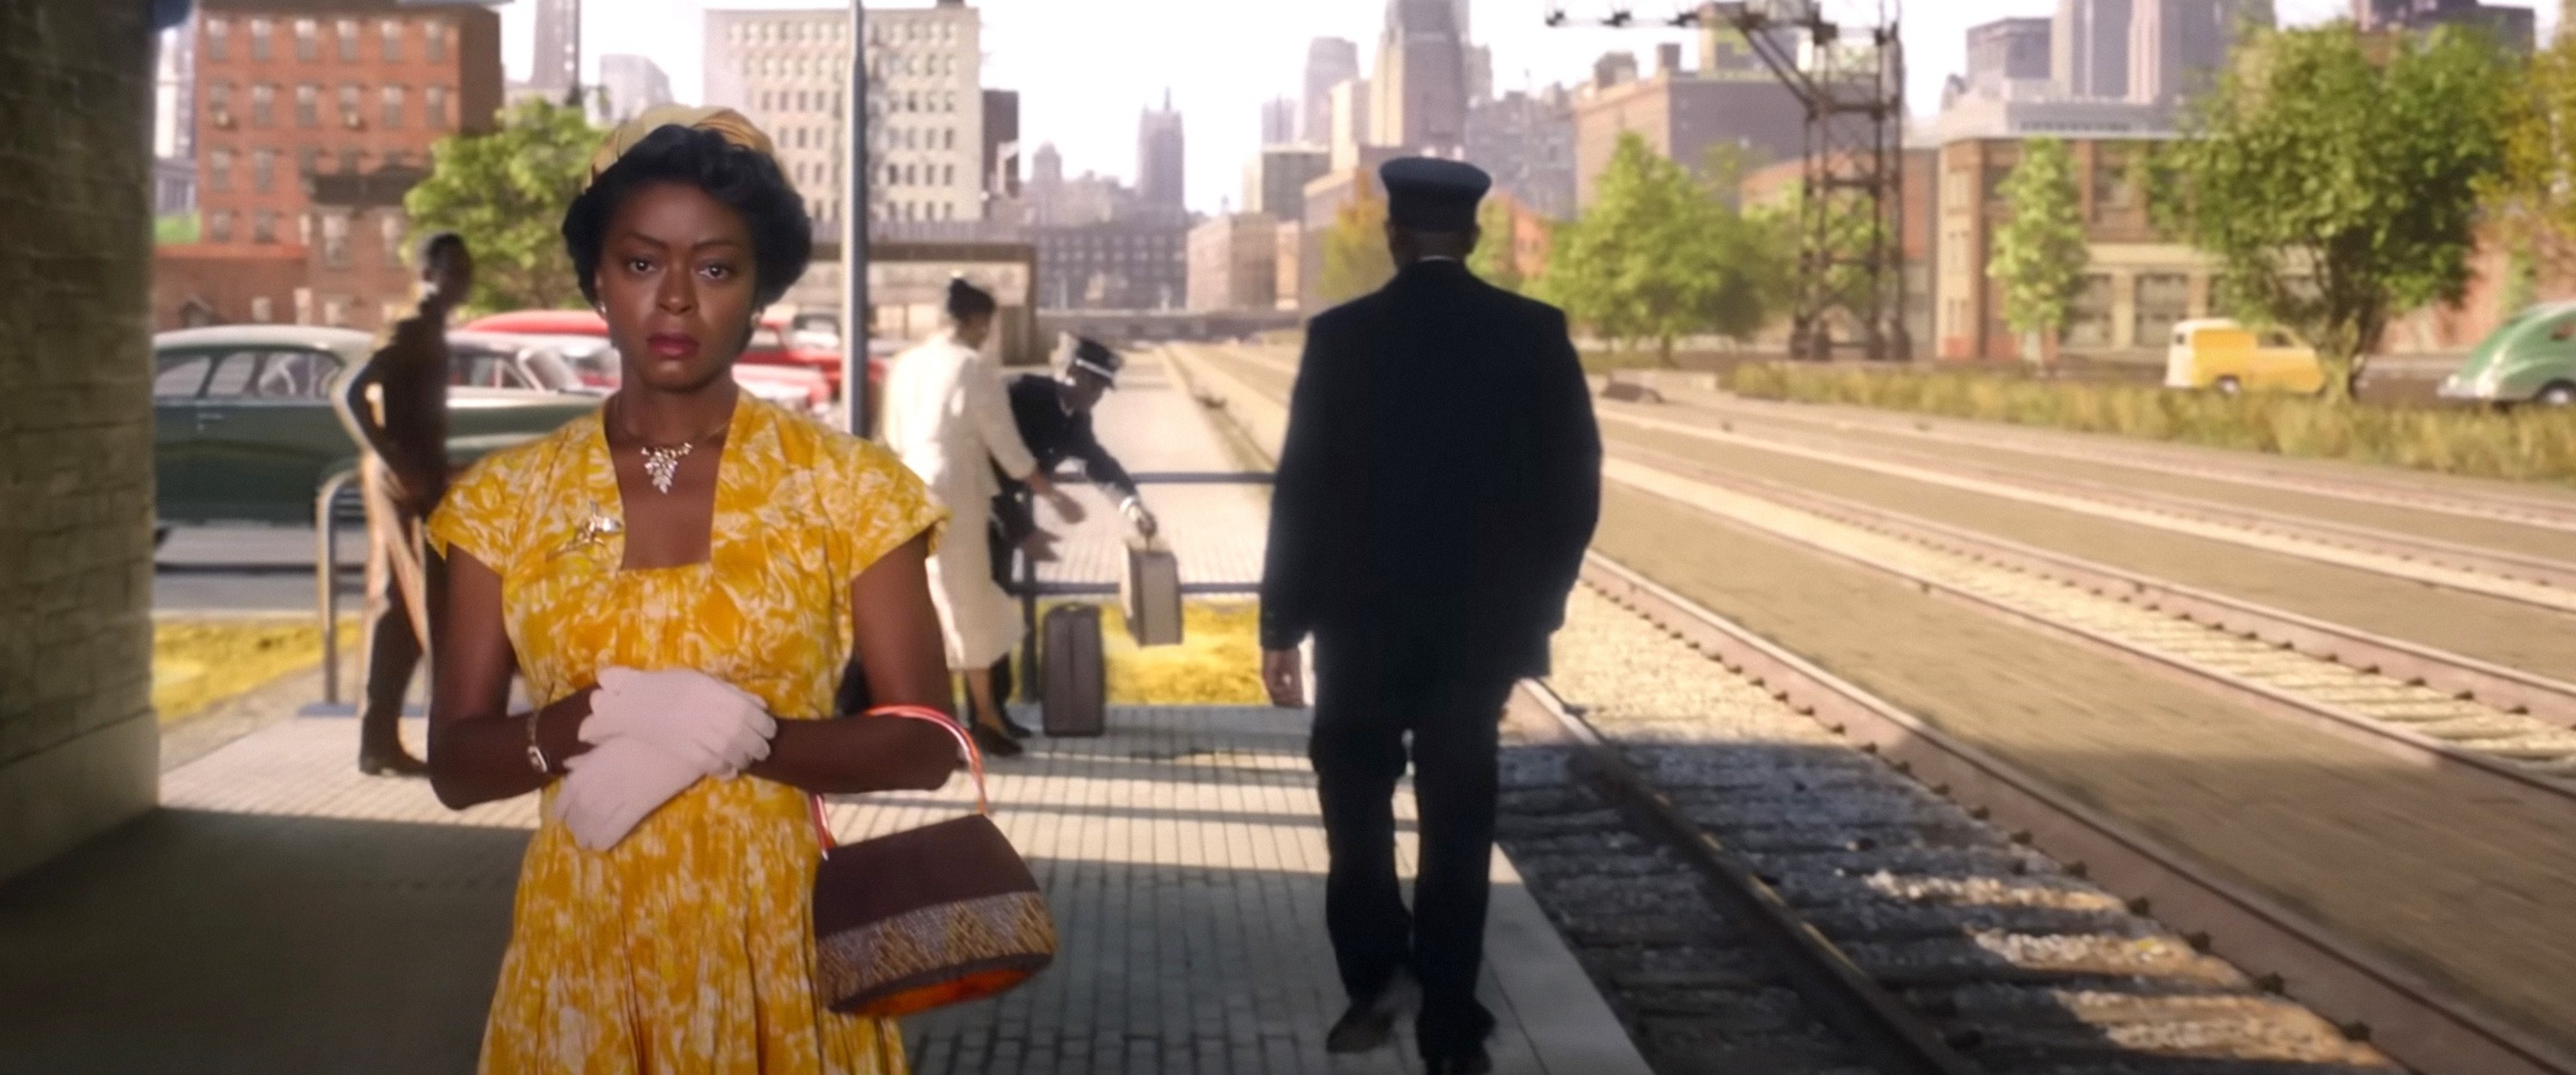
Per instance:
(948,418)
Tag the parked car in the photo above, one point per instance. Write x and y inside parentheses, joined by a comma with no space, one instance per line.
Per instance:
(2531,358)
(244,431)
(790,385)
(2227,357)
(503,360)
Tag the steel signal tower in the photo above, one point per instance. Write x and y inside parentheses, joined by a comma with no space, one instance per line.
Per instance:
(1850,293)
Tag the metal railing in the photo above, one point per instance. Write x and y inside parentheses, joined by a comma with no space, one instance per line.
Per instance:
(336,503)
(1030,589)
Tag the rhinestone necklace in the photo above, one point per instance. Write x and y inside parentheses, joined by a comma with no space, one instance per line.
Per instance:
(661,461)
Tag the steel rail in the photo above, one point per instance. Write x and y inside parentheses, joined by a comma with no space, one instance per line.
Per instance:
(2469,504)
(2411,1019)
(1881,1028)
(2463,578)
(2506,689)
(2414,747)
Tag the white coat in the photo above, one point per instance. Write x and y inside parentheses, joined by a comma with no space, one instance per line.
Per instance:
(947,417)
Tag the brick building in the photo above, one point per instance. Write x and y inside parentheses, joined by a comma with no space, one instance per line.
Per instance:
(313,117)
(79,748)
(2137,285)
(1119,264)
(1682,115)
(1777,185)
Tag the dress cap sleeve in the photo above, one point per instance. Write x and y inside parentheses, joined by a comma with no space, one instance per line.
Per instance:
(874,504)
(479,514)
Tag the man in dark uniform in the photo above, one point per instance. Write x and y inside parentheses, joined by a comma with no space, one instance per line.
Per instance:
(1053,412)
(1439,484)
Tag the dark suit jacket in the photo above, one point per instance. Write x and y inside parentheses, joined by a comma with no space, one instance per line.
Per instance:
(1441,476)
(1053,436)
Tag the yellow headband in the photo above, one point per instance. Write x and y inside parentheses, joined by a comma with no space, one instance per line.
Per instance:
(724,121)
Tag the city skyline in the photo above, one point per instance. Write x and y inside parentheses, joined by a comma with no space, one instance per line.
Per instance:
(1088,107)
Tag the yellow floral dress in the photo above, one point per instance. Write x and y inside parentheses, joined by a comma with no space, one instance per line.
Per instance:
(687,947)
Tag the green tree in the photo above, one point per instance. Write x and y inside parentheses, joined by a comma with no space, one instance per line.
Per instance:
(1356,260)
(1660,255)
(1496,261)
(2337,180)
(506,192)
(2040,253)
(2535,192)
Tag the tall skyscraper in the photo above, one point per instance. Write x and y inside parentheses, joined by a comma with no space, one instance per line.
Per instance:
(2176,47)
(1279,122)
(2089,47)
(2009,50)
(1330,61)
(1420,88)
(556,65)
(1160,165)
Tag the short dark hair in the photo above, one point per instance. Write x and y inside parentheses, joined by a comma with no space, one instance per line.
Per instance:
(782,236)
(965,300)
(432,244)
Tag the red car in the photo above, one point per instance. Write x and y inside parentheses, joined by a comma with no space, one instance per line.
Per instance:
(796,385)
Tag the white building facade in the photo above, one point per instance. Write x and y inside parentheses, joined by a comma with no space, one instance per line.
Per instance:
(789,71)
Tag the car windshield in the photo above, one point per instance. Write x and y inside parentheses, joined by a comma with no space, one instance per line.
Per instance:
(766,338)
(552,372)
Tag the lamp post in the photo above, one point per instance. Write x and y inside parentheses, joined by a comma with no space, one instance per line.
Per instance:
(854,230)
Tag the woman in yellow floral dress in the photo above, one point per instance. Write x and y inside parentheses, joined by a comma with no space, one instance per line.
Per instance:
(680,578)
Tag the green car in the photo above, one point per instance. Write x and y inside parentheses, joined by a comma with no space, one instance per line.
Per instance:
(2531,358)
(244,430)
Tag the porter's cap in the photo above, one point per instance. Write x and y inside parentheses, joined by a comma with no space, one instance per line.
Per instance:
(1431,194)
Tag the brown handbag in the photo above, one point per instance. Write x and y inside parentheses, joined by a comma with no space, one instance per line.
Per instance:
(933,916)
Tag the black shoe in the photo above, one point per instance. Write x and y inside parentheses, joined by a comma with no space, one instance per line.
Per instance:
(1473,1061)
(996,745)
(1013,728)
(393,763)
(1368,1025)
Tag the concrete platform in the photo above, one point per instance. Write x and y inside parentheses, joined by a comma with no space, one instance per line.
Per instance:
(283,913)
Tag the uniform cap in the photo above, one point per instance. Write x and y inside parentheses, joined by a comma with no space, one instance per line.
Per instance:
(1431,194)
(1095,358)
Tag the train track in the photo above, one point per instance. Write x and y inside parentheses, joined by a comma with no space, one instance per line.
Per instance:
(1936,904)
(2488,505)
(2430,707)
(2528,580)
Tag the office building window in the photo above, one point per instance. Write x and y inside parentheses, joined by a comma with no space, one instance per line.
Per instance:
(219,171)
(436,35)
(263,170)
(433,102)
(219,226)
(347,31)
(390,228)
(261,30)
(393,107)
(391,31)
(352,106)
(261,309)
(350,159)
(308,105)
(308,160)
(219,39)
(263,105)
(263,226)
(308,40)
(219,103)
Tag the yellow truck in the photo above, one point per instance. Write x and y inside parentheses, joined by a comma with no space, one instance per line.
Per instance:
(2224,356)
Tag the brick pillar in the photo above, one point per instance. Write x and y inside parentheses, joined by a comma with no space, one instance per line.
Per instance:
(79,747)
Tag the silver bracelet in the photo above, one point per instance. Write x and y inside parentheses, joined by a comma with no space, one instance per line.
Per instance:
(537,754)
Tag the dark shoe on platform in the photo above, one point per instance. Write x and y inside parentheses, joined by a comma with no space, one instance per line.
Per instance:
(1016,729)
(995,744)
(1366,1026)
(1474,1061)
(394,763)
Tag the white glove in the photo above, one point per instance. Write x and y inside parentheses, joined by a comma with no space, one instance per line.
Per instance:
(1137,516)
(712,725)
(614,786)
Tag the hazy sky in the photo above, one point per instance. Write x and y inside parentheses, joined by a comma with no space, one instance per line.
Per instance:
(1085,67)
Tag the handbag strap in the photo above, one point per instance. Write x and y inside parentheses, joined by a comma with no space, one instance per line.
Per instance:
(974,764)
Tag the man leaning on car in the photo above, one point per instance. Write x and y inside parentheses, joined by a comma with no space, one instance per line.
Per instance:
(395,404)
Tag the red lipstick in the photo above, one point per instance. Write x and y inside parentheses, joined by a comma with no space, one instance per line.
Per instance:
(671,344)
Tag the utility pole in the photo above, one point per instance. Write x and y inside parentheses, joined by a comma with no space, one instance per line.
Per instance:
(854,230)
(1850,287)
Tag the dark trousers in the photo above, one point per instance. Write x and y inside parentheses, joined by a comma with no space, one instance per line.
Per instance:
(1370,695)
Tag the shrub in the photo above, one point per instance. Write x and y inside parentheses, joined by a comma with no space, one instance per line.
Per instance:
(2525,444)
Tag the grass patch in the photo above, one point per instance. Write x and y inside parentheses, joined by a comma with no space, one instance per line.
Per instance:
(197,663)
(1217,663)
(2525,444)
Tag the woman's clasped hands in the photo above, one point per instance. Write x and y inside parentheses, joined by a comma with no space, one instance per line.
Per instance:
(652,735)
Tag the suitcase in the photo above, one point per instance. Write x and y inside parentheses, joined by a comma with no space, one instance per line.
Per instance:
(1074,697)
(1151,595)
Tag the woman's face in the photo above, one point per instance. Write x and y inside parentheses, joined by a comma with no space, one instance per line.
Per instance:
(675,280)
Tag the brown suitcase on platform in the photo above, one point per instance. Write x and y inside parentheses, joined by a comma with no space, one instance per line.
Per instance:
(1074,696)
(1150,592)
